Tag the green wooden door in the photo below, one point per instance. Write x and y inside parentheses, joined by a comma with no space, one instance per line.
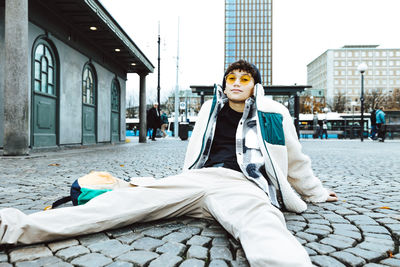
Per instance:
(115,104)
(44,97)
(89,113)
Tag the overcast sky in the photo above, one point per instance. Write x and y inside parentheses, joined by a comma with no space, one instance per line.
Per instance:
(302,30)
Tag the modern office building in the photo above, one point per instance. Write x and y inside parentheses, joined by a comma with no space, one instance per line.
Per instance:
(335,72)
(248,34)
(63,72)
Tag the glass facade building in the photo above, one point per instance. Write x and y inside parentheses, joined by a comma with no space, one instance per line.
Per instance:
(248,34)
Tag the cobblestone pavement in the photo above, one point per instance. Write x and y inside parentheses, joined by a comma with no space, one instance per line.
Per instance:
(362,229)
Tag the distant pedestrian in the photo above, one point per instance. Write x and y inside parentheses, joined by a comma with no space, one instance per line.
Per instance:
(317,131)
(373,133)
(153,120)
(381,124)
(164,123)
(324,130)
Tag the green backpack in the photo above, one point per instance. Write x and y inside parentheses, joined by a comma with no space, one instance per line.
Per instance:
(90,186)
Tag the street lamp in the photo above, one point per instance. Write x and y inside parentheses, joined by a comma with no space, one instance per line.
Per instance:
(353,104)
(362,68)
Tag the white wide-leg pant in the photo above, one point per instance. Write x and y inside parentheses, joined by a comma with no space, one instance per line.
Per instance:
(237,204)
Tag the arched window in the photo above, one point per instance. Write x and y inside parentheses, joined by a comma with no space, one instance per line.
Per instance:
(88,86)
(44,69)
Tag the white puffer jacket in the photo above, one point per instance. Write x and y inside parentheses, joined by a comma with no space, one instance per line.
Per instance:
(285,163)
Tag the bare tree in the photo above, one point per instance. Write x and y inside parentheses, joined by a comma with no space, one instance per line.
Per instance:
(393,100)
(374,99)
(339,103)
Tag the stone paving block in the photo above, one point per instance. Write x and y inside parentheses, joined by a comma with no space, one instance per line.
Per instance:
(3,257)
(348,258)
(177,237)
(387,220)
(190,230)
(210,232)
(110,248)
(91,260)
(118,232)
(374,265)
(338,243)
(334,218)
(318,232)
(299,224)
(129,238)
(345,212)
(5,264)
(293,217)
(345,226)
(361,220)
(372,239)
(352,234)
(157,232)
(172,248)
(307,236)
(293,228)
(310,251)
(29,253)
(55,246)
(218,263)
(319,221)
(222,253)
(320,226)
(120,264)
(321,248)
(301,241)
(70,253)
(199,223)
(147,243)
(192,263)
(220,241)
(139,257)
(375,247)
(395,228)
(166,260)
(239,264)
(374,229)
(391,262)
(197,252)
(326,261)
(199,240)
(311,216)
(45,261)
(93,238)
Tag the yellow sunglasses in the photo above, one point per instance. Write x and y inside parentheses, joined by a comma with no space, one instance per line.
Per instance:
(244,79)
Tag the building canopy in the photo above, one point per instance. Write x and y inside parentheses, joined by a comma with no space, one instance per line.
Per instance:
(93,23)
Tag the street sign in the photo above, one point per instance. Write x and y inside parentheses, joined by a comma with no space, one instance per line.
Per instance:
(182,105)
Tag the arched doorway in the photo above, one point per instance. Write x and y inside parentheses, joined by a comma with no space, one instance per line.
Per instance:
(44,127)
(89,105)
(115,111)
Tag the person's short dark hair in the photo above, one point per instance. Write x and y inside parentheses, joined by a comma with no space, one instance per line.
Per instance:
(243,65)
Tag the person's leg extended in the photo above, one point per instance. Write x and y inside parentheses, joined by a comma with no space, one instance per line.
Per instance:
(164,198)
(245,211)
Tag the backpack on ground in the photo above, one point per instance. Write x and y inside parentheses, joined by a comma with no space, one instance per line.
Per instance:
(90,186)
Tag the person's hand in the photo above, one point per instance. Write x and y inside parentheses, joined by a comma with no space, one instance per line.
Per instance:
(332,197)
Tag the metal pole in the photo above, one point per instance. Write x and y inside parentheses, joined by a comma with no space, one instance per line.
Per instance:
(362,106)
(176,129)
(158,85)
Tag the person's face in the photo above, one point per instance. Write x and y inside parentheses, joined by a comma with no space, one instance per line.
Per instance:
(239,86)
